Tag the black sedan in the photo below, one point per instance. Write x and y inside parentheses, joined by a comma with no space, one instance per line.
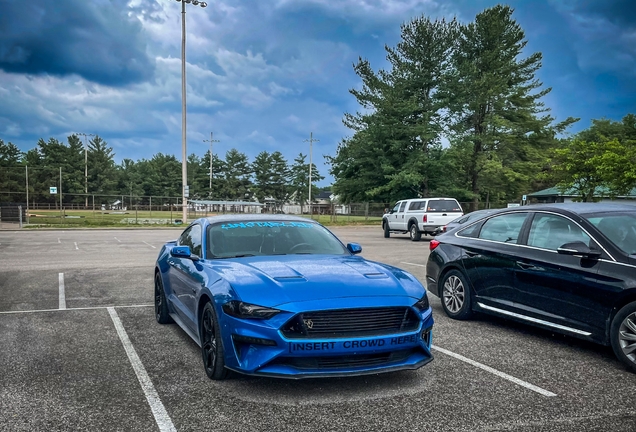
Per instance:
(570,268)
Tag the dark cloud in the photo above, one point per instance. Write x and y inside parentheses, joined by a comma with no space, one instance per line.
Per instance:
(619,12)
(96,39)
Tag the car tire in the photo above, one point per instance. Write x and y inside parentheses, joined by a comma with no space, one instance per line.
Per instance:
(212,344)
(161,306)
(623,335)
(414,232)
(456,296)
(387,233)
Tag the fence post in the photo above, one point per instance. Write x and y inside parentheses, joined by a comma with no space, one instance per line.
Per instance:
(20,215)
(366,211)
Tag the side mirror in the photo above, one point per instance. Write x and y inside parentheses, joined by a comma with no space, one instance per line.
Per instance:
(578,248)
(181,252)
(354,248)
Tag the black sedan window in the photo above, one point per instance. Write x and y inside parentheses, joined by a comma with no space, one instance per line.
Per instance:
(504,228)
(619,228)
(254,238)
(551,232)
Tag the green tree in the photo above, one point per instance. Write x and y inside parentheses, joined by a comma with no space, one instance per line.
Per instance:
(12,175)
(236,172)
(102,173)
(493,98)
(271,175)
(299,180)
(600,158)
(396,147)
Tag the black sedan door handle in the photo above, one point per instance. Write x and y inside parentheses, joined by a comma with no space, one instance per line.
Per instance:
(526,266)
(472,254)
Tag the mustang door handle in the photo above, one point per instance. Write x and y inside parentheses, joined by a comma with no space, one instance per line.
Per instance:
(472,254)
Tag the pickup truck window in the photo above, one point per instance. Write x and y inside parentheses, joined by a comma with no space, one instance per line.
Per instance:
(443,206)
(395,208)
(416,205)
(402,206)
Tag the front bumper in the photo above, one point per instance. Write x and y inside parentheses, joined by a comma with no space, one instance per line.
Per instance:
(259,348)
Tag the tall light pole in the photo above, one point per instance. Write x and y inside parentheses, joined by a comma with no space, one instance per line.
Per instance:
(311,140)
(211,140)
(85,167)
(184,160)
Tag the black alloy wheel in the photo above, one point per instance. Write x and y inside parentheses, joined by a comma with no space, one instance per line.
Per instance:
(415,233)
(623,335)
(161,307)
(387,233)
(456,295)
(211,344)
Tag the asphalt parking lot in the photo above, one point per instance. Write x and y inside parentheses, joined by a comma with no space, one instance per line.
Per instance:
(80,350)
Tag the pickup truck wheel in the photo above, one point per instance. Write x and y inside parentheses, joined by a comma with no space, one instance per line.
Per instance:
(387,233)
(415,233)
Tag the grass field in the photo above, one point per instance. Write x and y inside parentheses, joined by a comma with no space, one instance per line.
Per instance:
(86,219)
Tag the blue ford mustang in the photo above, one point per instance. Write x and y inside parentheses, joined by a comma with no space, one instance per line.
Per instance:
(282,296)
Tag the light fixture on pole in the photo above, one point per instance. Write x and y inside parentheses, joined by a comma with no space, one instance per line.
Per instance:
(85,167)
(311,140)
(211,140)
(184,161)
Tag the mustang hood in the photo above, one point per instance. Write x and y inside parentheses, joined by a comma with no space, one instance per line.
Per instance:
(292,278)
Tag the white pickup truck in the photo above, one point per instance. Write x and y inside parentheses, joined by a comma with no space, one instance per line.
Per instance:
(420,216)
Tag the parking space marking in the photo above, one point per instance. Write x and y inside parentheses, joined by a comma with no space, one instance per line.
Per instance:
(156,406)
(72,309)
(500,374)
(150,245)
(117,239)
(76,247)
(419,265)
(62,296)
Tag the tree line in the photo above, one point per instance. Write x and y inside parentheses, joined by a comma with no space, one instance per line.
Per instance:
(235,177)
(458,113)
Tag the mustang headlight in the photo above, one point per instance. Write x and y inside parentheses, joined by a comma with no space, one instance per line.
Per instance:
(422,304)
(244,310)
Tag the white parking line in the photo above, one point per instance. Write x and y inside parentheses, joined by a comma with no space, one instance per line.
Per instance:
(117,239)
(59,241)
(62,296)
(419,265)
(158,410)
(76,248)
(72,309)
(500,374)
(150,245)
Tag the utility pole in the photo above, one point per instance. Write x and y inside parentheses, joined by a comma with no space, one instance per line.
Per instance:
(211,140)
(311,140)
(85,167)
(185,192)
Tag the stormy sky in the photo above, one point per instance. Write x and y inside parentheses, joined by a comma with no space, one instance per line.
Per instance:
(263,74)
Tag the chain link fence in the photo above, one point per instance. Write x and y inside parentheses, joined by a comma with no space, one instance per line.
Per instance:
(124,210)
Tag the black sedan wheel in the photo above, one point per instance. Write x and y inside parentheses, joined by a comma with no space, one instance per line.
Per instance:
(456,297)
(211,344)
(161,307)
(623,335)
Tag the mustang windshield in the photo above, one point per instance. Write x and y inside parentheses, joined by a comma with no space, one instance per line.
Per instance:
(619,228)
(260,237)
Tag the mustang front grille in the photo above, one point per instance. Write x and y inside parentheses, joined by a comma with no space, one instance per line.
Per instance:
(343,323)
